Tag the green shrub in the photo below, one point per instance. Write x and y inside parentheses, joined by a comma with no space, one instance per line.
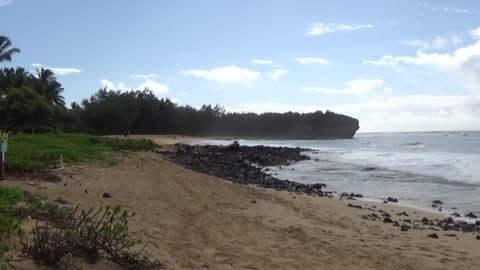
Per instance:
(10,218)
(9,211)
(90,234)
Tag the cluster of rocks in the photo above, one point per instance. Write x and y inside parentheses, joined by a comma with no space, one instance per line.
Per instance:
(405,223)
(449,224)
(242,164)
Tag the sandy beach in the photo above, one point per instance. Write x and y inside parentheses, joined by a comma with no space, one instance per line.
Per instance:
(195,221)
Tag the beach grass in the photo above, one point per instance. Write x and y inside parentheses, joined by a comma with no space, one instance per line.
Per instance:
(34,152)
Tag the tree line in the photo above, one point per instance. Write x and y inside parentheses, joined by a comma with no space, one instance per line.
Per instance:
(30,102)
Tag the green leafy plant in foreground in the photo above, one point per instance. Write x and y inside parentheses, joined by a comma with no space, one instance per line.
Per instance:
(10,218)
(86,233)
(9,211)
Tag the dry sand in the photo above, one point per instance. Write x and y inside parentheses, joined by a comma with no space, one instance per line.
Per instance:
(195,221)
(166,139)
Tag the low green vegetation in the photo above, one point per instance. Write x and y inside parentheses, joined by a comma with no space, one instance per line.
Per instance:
(10,218)
(90,234)
(36,152)
(61,234)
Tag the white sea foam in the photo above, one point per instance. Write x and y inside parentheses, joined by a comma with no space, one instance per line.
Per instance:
(417,168)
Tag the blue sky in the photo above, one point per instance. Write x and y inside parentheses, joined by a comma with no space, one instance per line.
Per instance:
(396,65)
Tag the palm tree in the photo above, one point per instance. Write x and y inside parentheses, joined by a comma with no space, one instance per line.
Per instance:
(14,78)
(5,52)
(49,87)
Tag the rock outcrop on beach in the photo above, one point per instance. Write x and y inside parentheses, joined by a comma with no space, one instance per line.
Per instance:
(243,164)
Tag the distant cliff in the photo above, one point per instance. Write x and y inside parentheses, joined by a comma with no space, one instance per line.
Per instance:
(317,125)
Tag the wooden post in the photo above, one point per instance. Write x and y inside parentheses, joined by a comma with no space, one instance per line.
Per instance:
(2,174)
(3,150)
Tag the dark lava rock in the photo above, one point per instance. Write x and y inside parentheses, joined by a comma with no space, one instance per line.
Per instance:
(242,164)
(448,220)
(390,199)
(384,214)
(396,224)
(437,202)
(404,228)
(433,235)
(354,206)
(233,147)
(403,214)
(456,215)
(344,195)
(358,195)
(387,220)
(471,215)
(425,221)
(460,223)
(477,223)
(318,185)
(434,206)
(86,191)
(478,237)
(469,228)
(106,195)
(451,235)
(253,201)
(367,169)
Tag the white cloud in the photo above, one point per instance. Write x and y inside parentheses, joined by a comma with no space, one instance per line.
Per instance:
(416,113)
(448,9)
(152,85)
(112,86)
(4,3)
(262,62)
(440,42)
(443,8)
(425,45)
(224,74)
(271,107)
(463,64)
(461,10)
(475,33)
(277,73)
(311,60)
(157,88)
(144,76)
(108,84)
(354,87)
(122,85)
(57,70)
(320,28)
(395,113)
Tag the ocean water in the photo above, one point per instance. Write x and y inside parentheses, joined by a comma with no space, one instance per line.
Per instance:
(416,168)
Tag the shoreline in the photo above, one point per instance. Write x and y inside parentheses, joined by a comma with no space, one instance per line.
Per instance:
(285,165)
(192,220)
